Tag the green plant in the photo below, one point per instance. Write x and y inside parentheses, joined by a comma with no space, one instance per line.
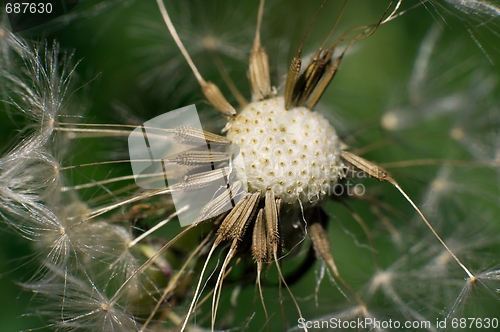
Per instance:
(417,98)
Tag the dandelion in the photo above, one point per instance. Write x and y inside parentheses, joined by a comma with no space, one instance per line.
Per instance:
(83,304)
(112,259)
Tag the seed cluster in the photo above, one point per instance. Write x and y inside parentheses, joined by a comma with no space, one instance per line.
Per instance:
(294,152)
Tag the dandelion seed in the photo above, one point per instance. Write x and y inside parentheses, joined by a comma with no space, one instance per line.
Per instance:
(476,6)
(84,305)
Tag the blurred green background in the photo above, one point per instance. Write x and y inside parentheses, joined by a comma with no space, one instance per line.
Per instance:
(123,77)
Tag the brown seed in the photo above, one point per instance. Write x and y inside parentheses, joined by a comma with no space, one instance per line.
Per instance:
(217,99)
(216,206)
(259,239)
(201,180)
(191,158)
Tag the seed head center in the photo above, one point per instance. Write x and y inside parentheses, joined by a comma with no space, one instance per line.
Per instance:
(293,152)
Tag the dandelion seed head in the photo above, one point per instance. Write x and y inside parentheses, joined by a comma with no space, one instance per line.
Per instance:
(85,307)
(439,185)
(8,43)
(96,272)
(457,134)
(381,278)
(390,121)
(211,43)
(475,7)
(294,152)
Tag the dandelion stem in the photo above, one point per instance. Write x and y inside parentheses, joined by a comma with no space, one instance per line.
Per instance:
(157,226)
(173,282)
(118,293)
(178,41)
(471,276)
